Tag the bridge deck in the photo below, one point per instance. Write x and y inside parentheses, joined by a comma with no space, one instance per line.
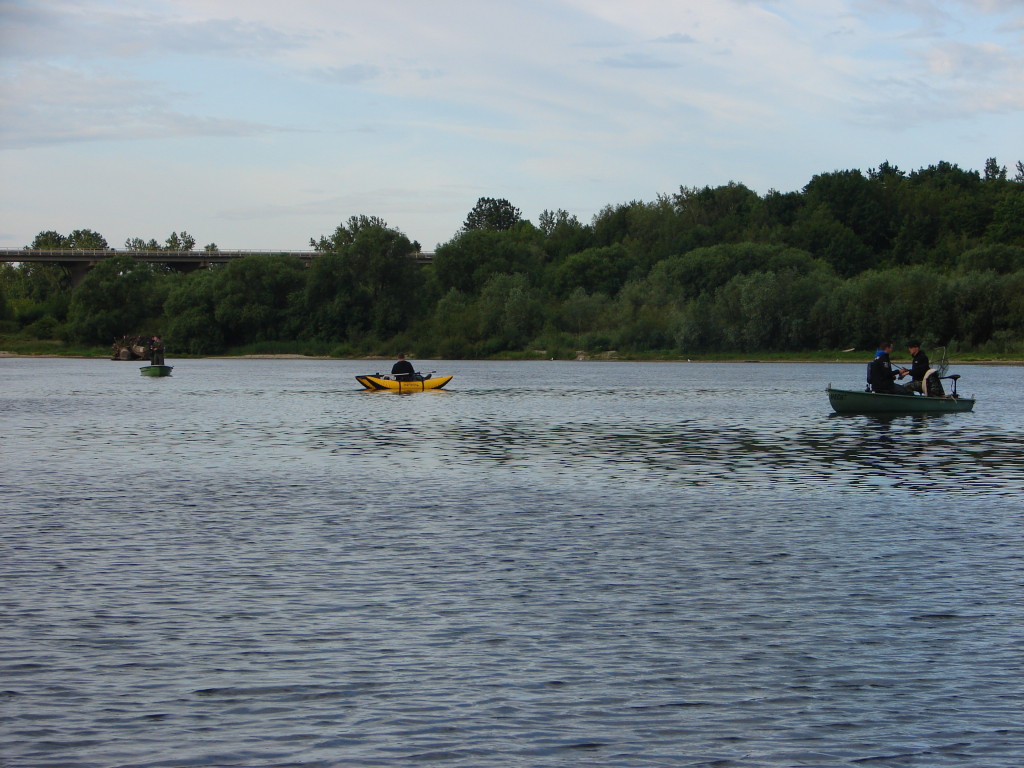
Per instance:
(55,256)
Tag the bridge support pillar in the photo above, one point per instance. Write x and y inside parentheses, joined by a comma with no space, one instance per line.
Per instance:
(77,270)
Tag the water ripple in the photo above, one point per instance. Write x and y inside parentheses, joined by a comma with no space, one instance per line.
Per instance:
(253,563)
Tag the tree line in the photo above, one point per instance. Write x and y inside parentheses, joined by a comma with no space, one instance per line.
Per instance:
(853,257)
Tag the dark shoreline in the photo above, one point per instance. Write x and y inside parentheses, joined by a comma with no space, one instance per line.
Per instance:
(795,359)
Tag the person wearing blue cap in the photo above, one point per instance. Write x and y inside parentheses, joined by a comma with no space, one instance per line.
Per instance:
(881,376)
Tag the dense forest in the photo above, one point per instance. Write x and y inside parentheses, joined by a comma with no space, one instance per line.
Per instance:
(936,253)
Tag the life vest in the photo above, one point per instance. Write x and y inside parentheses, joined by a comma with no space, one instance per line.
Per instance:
(878,372)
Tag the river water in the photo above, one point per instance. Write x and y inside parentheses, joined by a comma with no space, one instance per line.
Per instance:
(255,563)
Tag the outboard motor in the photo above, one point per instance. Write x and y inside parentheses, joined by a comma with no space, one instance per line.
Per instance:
(932,384)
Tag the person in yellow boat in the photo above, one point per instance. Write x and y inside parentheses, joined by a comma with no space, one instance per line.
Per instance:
(403,370)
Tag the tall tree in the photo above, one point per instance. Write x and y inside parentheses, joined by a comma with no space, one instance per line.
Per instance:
(79,240)
(182,242)
(994,171)
(255,298)
(365,283)
(492,213)
(117,297)
(345,234)
(191,307)
(49,241)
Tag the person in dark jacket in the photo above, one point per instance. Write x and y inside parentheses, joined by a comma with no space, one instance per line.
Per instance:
(919,366)
(156,351)
(403,370)
(881,376)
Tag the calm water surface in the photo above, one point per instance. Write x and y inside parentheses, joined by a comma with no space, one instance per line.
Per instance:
(254,563)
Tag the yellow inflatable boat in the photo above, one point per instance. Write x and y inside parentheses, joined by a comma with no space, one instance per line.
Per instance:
(419,383)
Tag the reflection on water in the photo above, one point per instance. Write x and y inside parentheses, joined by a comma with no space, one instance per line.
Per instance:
(257,563)
(725,437)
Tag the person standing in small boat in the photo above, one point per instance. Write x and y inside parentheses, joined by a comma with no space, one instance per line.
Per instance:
(919,367)
(403,370)
(881,376)
(156,351)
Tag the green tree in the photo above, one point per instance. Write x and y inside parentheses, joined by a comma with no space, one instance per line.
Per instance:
(255,298)
(818,232)
(976,304)
(775,213)
(191,307)
(704,270)
(774,310)
(38,282)
(450,326)
(366,284)
(6,313)
(332,307)
(138,244)
(996,258)
(493,214)
(345,234)
(994,171)
(86,240)
(49,241)
(183,242)
(648,231)
(954,199)
(895,304)
(563,234)
(696,329)
(472,258)
(595,270)
(78,240)
(1011,319)
(648,316)
(509,312)
(118,296)
(584,313)
(855,202)
(1007,225)
(715,215)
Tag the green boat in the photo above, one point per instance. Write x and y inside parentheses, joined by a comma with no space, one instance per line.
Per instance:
(852,401)
(156,370)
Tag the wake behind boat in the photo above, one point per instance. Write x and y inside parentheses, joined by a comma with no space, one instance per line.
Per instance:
(416,383)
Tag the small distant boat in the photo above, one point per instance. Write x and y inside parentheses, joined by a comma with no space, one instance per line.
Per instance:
(156,370)
(852,401)
(378,382)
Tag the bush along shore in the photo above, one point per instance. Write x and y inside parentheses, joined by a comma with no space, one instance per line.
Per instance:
(707,273)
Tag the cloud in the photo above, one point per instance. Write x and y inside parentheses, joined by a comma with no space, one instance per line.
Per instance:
(968,61)
(675,38)
(549,103)
(637,61)
(47,104)
(97,30)
(353,74)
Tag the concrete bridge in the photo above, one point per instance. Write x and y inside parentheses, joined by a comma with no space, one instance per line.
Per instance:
(79,262)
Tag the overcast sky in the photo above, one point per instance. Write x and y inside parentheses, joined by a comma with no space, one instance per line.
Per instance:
(262,123)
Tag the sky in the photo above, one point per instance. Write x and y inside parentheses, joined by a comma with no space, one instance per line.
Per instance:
(259,124)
